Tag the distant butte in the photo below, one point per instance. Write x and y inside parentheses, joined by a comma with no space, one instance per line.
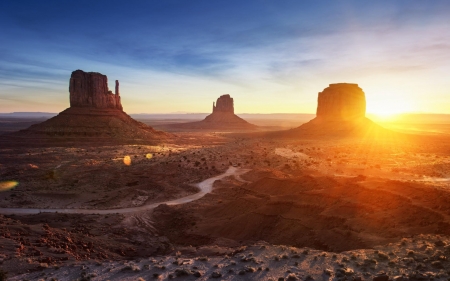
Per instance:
(94,112)
(225,103)
(341,111)
(221,118)
(341,101)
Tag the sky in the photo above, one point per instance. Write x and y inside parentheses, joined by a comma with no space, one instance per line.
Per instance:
(270,56)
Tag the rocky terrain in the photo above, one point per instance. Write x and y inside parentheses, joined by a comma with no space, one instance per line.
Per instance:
(324,195)
(94,112)
(419,258)
(222,118)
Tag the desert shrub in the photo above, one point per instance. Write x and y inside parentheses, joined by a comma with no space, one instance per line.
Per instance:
(131,267)
(250,269)
(440,243)
(182,272)
(383,256)
(3,275)
(292,276)
(411,253)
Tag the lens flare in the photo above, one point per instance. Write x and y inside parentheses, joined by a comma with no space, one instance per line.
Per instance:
(149,156)
(7,185)
(127,160)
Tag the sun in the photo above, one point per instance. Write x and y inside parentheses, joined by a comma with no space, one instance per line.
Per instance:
(389,110)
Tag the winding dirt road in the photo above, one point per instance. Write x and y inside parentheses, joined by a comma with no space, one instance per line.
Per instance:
(205,187)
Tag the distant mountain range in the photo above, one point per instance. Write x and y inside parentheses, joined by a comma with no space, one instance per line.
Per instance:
(29,114)
(422,118)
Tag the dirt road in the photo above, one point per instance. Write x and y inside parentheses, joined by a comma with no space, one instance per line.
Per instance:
(205,187)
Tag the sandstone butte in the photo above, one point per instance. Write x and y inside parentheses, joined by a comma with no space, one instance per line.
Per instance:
(221,118)
(94,112)
(341,111)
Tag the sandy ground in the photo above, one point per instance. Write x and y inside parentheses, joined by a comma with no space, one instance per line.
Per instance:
(334,197)
(204,187)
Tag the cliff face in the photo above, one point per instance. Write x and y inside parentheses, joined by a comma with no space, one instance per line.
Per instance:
(90,90)
(224,104)
(342,101)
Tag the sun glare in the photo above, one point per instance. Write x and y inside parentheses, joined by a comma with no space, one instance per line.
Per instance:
(7,185)
(127,160)
(387,111)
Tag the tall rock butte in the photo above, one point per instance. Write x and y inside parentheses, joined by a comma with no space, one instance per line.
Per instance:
(224,104)
(90,89)
(341,111)
(341,101)
(221,118)
(94,112)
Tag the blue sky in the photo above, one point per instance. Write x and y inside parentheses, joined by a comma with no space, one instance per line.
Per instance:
(271,56)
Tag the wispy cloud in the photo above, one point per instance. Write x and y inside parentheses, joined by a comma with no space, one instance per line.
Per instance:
(195,50)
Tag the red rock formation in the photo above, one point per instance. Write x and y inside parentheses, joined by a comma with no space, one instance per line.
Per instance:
(224,104)
(94,112)
(341,101)
(90,89)
(222,118)
(341,112)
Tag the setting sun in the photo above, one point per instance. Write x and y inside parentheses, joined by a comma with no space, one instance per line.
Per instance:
(385,110)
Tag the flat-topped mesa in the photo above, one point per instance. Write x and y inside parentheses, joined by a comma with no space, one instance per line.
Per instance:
(341,101)
(90,90)
(224,104)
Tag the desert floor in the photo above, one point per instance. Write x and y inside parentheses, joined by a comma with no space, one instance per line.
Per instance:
(301,208)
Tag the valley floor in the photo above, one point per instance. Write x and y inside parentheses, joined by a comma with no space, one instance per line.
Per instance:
(330,203)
